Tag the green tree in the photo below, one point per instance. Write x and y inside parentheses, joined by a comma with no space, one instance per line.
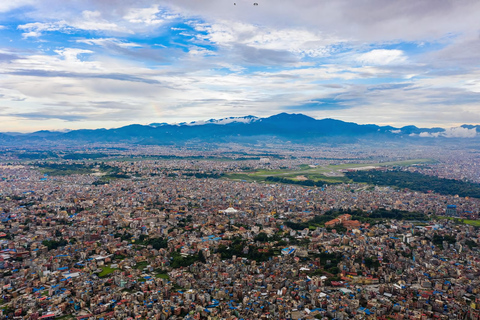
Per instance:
(201,257)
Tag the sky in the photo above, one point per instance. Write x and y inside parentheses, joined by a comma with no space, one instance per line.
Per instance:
(74,64)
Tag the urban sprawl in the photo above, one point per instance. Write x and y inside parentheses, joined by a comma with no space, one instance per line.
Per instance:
(183,237)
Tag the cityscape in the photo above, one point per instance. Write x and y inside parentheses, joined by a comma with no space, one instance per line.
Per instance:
(220,160)
(175,233)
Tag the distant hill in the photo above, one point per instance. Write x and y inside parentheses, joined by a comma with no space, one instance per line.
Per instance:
(280,127)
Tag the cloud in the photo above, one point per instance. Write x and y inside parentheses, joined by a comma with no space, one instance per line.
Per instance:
(455,132)
(408,62)
(382,57)
(362,21)
(105,42)
(460,132)
(71,54)
(92,20)
(150,16)
(296,41)
(89,20)
(36,29)
(389,86)
(144,15)
(6,6)
(426,134)
(324,104)
(456,56)
(135,51)
(83,111)
(6,56)
(256,56)
(79,75)
(48,116)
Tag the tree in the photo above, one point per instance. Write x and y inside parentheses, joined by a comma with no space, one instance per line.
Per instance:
(262,237)
(201,257)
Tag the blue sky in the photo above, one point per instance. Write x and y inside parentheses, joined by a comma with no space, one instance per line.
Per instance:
(108,63)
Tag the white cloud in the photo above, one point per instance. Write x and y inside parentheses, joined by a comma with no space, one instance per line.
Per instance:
(295,40)
(382,57)
(313,50)
(31,34)
(199,51)
(367,21)
(6,5)
(460,132)
(144,15)
(90,20)
(427,134)
(455,132)
(36,29)
(71,54)
(109,41)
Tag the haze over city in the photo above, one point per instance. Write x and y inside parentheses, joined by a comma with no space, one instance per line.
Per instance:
(95,64)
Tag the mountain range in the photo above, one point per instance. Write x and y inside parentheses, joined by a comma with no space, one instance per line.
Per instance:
(282,127)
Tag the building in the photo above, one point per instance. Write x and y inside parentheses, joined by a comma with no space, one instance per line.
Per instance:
(451,210)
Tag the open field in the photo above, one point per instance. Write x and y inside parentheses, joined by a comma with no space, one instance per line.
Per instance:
(329,174)
(106,271)
(475,223)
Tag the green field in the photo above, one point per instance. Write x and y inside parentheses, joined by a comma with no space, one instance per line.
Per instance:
(329,174)
(106,271)
(141,265)
(475,223)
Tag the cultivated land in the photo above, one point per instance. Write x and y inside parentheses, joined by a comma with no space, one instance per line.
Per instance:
(330,173)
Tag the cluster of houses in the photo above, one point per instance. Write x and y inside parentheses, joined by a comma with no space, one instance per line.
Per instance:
(161,246)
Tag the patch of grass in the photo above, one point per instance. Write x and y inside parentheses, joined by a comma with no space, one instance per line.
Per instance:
(322,177)
(66,172)
(475,223)
(177,287)
(106,271)
(141,265)
(162,276)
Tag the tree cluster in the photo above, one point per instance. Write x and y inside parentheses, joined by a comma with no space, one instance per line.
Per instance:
(417,181)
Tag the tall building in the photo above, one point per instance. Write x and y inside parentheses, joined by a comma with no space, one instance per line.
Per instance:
(451,210)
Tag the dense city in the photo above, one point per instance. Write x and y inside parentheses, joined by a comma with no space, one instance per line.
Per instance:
(143,234)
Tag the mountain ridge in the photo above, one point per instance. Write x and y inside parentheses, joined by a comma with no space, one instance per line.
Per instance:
(283,126)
